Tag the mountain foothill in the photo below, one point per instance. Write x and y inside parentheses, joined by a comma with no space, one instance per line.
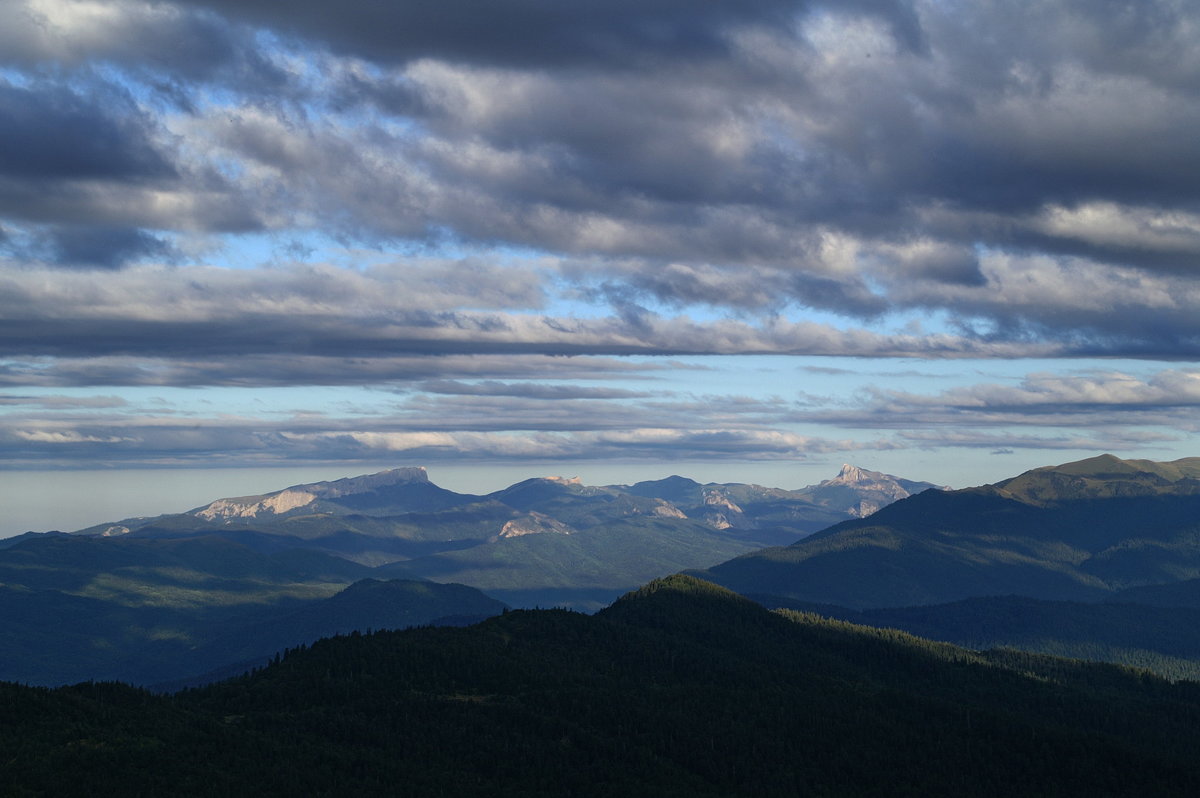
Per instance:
(1098,559)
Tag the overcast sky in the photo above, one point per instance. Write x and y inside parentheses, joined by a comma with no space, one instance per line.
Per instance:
(749,240)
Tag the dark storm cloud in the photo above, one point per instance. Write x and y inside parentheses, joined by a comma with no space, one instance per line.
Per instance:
(53,133)
(337,314)
(1152,39)
(460,333)
(100,246)
(1023,172)
(916,156)
(88,178)
(1090,309)
(516,32)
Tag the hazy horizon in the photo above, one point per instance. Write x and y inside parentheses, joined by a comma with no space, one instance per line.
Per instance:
(81,498)
(99,497)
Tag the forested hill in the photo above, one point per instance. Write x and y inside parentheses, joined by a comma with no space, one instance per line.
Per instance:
(1076,532)
(678,689)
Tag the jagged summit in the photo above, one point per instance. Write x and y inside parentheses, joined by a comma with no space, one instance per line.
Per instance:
(565,480)
(854,475)
(851,474)
(860,492)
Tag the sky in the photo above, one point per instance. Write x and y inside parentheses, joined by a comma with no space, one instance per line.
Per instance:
(247,244)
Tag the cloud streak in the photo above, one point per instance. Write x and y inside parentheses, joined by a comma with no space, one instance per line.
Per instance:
(491,429)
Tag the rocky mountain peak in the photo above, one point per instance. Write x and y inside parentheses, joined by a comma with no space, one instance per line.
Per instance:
(860,492)
(853,475)
(298,496)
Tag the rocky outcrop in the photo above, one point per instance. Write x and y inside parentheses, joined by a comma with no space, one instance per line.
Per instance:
(533,523)
(254,506)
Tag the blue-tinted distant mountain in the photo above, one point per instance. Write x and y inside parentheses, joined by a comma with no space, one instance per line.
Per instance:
(854,492)
(148,611)
(585,570)
(741,507)
(675,489)
(367,605)
(548,540)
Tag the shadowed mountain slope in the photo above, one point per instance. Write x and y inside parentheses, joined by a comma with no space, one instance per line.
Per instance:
(1075,532)
(152,610)
(1165,640)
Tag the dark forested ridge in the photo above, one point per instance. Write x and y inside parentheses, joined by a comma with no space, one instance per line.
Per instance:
(1162,639)
(680,688)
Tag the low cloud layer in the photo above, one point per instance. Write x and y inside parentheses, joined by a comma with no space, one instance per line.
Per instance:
(581,418)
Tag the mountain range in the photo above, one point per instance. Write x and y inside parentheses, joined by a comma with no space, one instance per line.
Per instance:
(545,541)
(1097,559)
(226,585)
